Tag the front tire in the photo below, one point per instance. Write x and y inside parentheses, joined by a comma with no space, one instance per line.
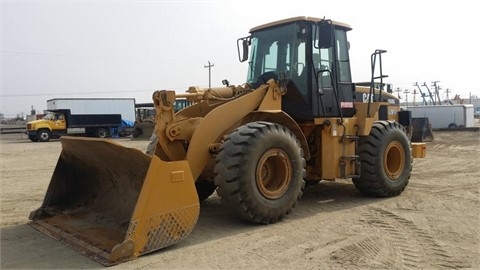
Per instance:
(43,135)
(260,172)
(386,159)
(33,138)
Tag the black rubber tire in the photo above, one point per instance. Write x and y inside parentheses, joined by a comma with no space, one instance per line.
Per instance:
(251,155)
(43,135)
(101,133)
(452,126)
(204,189)
(386,160)
(33,138)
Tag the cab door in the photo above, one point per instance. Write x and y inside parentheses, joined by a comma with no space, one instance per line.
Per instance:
(59,122)
(331,62)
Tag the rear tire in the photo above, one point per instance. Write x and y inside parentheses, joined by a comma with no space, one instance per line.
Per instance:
(101,133)
(260,172)
(452,126)
(43,135)
(386,160)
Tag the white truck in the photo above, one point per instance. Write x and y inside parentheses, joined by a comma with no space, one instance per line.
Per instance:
(446,116)
(93,117)
(123,106)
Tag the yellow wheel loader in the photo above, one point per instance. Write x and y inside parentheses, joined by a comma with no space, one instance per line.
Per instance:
(298,119)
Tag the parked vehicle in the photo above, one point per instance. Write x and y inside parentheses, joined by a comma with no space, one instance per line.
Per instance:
(123,106)
(62,122)
(476,114)
(92,117)
(145,123)
(446,116)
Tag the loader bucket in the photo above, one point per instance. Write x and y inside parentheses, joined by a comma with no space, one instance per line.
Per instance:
(114,203)
(143,131)
(422,131)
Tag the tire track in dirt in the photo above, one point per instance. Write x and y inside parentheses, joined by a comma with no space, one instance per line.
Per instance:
(416,248)
(450,221)
(451,196)
(371,250)
(333,244)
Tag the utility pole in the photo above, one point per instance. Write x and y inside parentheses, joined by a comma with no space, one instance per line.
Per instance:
(406,96)
(447,92)
(398,90)
(414,95)
(210,65)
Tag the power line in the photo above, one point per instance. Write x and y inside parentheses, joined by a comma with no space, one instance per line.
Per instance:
(87,93)
(82,57)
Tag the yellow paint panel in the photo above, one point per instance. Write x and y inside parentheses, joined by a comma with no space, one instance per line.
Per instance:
(167,208)
(419,150)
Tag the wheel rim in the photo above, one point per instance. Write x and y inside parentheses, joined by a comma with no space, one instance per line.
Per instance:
(44,135)
(394,160)
(273,174)
(102,134)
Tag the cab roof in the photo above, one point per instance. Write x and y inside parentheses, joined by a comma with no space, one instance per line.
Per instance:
(297,19)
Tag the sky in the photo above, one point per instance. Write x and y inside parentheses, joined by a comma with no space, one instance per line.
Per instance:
(129,49)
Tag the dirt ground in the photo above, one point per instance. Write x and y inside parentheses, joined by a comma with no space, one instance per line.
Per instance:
(433,224)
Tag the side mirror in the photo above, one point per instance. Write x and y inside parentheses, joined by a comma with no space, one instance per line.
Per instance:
(243,54)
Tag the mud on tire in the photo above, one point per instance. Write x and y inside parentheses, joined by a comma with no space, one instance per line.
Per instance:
(260,172)
(386,160)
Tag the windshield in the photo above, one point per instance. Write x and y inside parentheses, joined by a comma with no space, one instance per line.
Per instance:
(280,49)
(49,116)
(53,116)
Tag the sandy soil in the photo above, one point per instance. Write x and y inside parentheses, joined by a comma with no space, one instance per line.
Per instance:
(434,224)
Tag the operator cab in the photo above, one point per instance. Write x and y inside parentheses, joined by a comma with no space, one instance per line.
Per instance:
(312,55)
